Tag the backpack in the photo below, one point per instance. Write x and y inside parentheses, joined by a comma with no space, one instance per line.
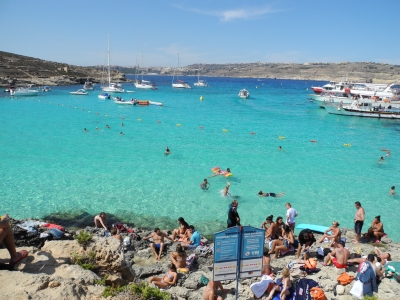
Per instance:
(303,289)
(345,278)
(317,293)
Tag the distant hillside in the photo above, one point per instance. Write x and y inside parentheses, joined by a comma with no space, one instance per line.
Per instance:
(28,70)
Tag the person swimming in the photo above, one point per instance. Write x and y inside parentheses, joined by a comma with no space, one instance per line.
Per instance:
(205,185)
(226,189)
(107,126)
(167,152)
(261,194)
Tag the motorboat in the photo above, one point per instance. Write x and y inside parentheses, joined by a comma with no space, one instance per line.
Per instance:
(119,100)
(200,83)
(79,92)
(104,96)
(366,89)
(24,92)
(180,84)
(145,84)
(88,85)
(244,94)
(365,109)
(111,87)
(46,88)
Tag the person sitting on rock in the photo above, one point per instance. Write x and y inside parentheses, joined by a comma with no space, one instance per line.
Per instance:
(158,242)
(334,236)
(210,291)
(178,258)
(180,234)
(338,256)
(168,279)
(100,221)
(115,234)
(376,230)
(7,238)
(194,239)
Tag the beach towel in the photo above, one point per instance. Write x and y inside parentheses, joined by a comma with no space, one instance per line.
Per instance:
(259,288)
(51,226)
(30,226)
(203,250)
(303,289)
(57,234)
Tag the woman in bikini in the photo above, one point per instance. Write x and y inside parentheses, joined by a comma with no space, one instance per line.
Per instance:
(169,278)
(283,244)
(178,258)
(180,234)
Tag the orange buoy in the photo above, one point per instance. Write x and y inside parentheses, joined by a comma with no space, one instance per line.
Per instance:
(313,141)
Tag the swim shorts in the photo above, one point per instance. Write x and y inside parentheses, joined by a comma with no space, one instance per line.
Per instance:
(337,265)
(358,226)
(157,246)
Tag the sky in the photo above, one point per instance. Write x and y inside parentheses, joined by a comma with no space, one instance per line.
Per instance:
(153,32)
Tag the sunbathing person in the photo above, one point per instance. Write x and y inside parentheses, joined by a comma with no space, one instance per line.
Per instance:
(168,279)
(7,238)
(210,292)
(220,172)
(339,256)
(384,256)
(335,236)
(373,259)
(266,224)
(180,234)
(283,244)
(261,194)
(376,229)
(158,242)
(178,258)
(100,221)
(115,234)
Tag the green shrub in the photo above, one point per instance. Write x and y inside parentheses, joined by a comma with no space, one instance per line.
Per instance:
(147,292)
(111,291)
(83,237)
(371,297)
(101,281)
(87,262)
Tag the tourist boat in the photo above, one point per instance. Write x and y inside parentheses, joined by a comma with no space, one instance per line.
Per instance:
(180,83)
(112,87)
(24,92)
(365,109)
(119,100)
(104,96)
(46,88)
(145,84)
(199,82)
(365,89)
(88,85)
(79,92)
(244,94)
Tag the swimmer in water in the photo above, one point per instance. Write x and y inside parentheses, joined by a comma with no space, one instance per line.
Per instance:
(392,192)
(85,130)
(280,148)
(121,133)
(261,194)
(226,189)
(220,172)
(97,128)
(205,185)
(381,160)
(108,126)
(167,152)
(122,124)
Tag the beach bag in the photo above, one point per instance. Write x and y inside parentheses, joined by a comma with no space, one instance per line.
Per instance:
(57,234)
(204,280)
(357,289)
(317,293)
(345,278)
(303,289)
(310,264)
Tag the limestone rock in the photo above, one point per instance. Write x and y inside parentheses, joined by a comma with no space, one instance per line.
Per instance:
(340,289)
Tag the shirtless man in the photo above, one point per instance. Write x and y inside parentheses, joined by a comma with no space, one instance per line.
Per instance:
(205,184)
(167,152)
(101,221)
(210,292)
(158,242)
(339,256)
(358,221)
(336,234)
(392,192)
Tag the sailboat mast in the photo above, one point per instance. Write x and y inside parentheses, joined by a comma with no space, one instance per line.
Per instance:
(108,49)
(198,70)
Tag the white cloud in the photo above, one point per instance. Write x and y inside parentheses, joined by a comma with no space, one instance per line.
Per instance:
(233,14)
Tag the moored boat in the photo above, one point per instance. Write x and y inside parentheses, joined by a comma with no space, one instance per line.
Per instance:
(180,84)
(365,109)
(111,87)
(88,85)
(244,94)
(145,84)
(79,92)
(46,88)
(25,92)
(104,96)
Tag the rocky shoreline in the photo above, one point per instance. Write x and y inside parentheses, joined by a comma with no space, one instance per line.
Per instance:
(49,271)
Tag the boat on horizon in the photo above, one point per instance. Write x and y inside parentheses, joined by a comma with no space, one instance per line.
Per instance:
(79,92)
(143,84)
(244,94)
(112,87)
(199,81)
(180,83)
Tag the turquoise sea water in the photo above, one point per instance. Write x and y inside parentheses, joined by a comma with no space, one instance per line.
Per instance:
(49,165)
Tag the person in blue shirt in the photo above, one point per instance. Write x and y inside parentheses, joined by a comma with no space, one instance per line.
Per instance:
(194,241)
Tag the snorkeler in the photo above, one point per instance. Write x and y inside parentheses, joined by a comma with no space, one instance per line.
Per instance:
(261,194)
(205,185)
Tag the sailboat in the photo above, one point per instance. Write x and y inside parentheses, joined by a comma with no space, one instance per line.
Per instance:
(112,87)
(199,82)
(180,83)
(143,84)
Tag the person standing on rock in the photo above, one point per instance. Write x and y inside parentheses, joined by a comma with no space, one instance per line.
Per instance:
(233,215)
(158,242)
(7,238)
(358,221)
(291,214)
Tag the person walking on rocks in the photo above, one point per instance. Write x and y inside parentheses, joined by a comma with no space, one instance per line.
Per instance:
(358,221)
(158,242)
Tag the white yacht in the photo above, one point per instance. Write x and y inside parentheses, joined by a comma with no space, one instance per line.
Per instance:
(199,82)
(180,83)
(244,94)
(145,84)
(79,92)
(25,92)
(88,85)
(112,87)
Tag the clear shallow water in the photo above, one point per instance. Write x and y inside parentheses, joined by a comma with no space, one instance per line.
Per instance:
(49,165)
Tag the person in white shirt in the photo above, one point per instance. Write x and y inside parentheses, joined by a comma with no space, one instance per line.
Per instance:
(291,213)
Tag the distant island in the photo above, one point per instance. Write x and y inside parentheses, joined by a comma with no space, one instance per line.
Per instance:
(23,70)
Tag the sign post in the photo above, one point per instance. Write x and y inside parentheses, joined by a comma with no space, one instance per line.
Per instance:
(238,253)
